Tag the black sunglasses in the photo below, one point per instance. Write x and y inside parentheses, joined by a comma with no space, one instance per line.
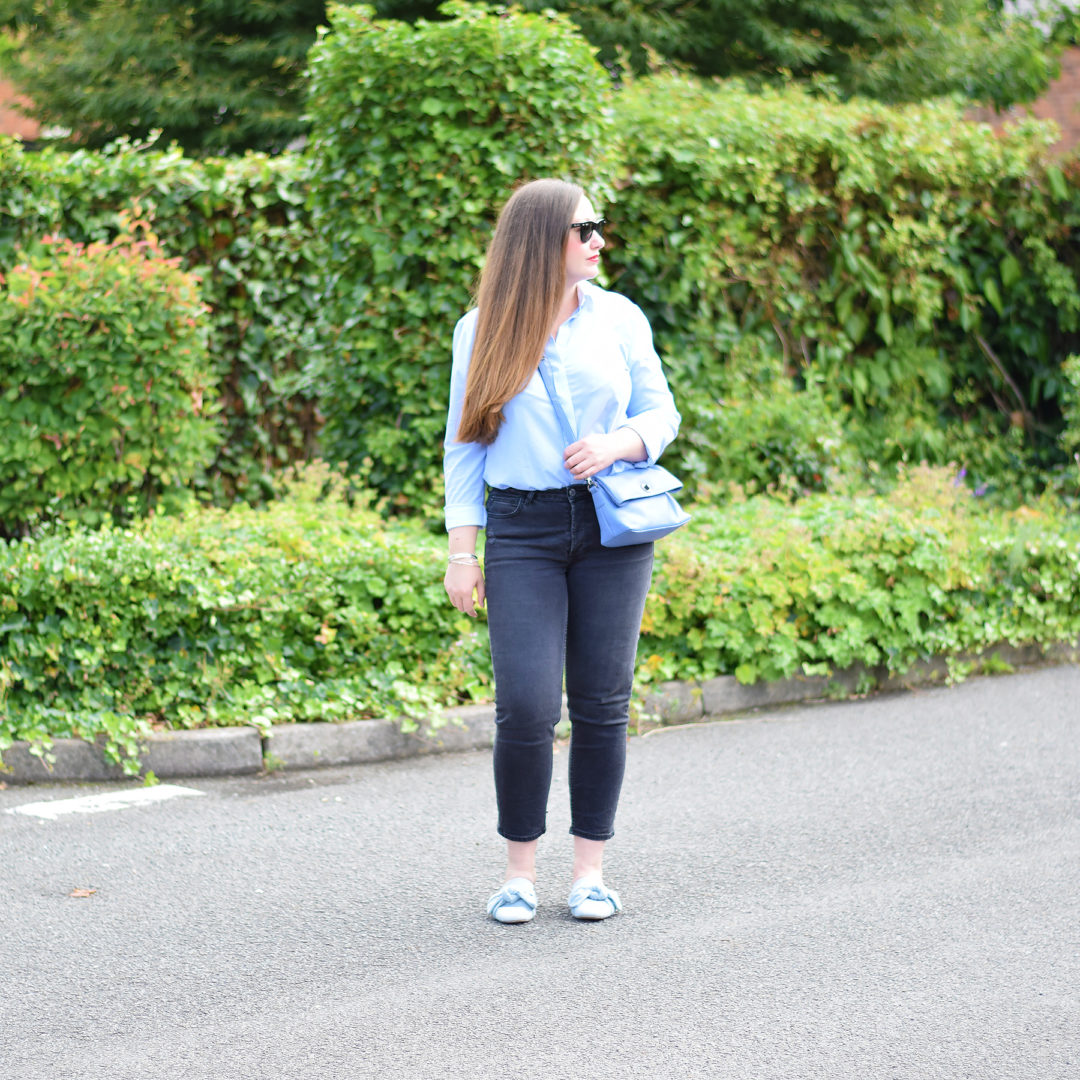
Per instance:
(587,228)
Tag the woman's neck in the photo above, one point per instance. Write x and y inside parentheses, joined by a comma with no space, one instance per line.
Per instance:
(569,304)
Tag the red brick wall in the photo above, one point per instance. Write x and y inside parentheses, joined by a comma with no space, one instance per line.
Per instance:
(13,122)
(1061,103)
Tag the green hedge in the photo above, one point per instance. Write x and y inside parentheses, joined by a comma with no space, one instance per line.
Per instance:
(419,134)
(308,609)
(913,273)
(242,226)
(830,284)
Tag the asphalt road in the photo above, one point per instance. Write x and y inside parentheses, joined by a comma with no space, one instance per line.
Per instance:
(878,890)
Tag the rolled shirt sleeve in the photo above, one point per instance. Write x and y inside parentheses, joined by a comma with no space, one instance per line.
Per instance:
(651,411)
(463,462)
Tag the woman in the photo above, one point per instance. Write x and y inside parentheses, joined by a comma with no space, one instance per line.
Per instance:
(556,598)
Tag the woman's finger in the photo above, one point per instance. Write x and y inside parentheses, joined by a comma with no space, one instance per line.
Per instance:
(461,592)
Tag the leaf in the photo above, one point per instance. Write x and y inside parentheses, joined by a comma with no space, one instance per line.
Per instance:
(82,893)
(856,326)
(991,292)
(884,327)
(746,673)
(1010,271)
(1057,183)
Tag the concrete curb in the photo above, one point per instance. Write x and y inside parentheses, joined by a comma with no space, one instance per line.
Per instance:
(206,752)
(306,746)
(241,751)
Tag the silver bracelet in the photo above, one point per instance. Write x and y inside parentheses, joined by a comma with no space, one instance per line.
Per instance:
(462,558)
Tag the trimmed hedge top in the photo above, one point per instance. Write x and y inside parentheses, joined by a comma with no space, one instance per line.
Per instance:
(419,135)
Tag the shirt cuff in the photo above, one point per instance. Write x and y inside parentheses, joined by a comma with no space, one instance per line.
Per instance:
(465,514)
(654,440)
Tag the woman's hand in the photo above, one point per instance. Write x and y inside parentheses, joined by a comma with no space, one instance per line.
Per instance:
(595,453)
(462,581)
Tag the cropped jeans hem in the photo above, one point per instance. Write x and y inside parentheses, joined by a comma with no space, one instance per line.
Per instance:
(587,836)
(522,839)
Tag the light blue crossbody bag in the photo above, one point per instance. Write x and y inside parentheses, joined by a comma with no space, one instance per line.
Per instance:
(633,506)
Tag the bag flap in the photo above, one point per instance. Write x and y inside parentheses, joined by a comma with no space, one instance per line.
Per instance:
(638,483)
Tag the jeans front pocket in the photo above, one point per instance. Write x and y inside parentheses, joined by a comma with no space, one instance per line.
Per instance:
(504,504)
(501,506)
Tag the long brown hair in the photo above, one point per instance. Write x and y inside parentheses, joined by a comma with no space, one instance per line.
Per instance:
(521,288)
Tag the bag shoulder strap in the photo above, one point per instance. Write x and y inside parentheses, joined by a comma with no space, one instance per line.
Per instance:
(560,412)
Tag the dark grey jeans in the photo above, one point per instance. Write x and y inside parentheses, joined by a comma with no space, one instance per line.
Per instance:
(557,599)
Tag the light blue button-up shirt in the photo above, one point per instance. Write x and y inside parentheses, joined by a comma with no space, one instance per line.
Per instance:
(607,375)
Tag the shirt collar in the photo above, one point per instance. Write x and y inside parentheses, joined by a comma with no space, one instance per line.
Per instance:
(588,293)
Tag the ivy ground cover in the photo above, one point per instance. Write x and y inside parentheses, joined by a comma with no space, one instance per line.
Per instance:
(314,609)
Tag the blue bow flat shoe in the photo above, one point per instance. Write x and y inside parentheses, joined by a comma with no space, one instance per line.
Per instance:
(592,901)
(515,902)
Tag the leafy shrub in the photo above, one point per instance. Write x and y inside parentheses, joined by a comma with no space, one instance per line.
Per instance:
(746,424)
(105,387)
(1070,435)
(307,609)
(764,590)
(242,226)
(916,269)
(1066,480)
(419,134)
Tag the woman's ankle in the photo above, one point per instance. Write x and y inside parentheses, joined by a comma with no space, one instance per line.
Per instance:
(521,860)
(588,860)
(585,870)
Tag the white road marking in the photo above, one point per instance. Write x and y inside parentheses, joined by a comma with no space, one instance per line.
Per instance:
(111,800)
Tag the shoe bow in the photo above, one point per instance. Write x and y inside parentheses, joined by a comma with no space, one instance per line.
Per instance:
(517,891)
(580,893)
